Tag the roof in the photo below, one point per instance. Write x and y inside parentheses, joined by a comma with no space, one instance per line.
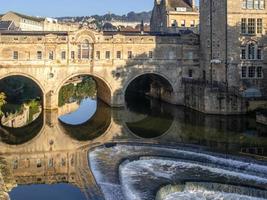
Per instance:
(32,18)
(4,25)
(37,33)
(173,4)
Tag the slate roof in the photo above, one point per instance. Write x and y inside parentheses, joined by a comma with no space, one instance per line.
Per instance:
(32,18)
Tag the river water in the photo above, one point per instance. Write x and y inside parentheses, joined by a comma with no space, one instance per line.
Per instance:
(91,151)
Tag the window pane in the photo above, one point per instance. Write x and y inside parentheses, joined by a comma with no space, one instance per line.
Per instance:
(251,72)
(244,72)
(259,72)
(244,25)
(251,26)
(259,25)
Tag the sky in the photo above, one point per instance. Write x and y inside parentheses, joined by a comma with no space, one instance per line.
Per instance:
(59,8)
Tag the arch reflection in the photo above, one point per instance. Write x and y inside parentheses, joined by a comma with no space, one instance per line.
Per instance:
(148,118)
(18,136)
(91,129)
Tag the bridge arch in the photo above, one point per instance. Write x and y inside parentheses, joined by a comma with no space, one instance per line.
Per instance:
(104,89)
(161,87)
(37,82)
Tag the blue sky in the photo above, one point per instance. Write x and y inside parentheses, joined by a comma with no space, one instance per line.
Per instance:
(56,8)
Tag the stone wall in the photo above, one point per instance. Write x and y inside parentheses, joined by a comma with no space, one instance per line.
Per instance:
(213,100)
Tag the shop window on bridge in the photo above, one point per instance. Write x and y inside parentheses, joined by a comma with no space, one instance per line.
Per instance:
(39,55)
(72,55)
(38,163)
(107,55)
(84,50)
(130,54)
(15,55)
(51,55)
(63,55)
(98,55)
(118,54)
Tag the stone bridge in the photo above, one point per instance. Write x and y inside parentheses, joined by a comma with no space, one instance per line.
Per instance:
(113,59)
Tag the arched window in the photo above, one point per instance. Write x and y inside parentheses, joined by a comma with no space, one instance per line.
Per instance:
(84,50)
(251,51)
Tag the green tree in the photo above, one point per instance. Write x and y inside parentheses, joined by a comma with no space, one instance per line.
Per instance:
(2,101)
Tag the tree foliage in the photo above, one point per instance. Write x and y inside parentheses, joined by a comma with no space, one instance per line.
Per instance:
(2,101)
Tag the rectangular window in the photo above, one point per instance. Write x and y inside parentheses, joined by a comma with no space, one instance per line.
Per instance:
(256,4)
(15,55)
(262,4)
(98,55)
(251,26)
(107,54)
(259,54)
(251,72)
(243,25)
(259,72)
(183,23)
(63,55)
(39,55)
(250,4)
(150,54)
(118,54)
(244,4)
(259,26)
(130,54)
(190,73)
(244,72)
(51,55)
(72,55)
(243,54)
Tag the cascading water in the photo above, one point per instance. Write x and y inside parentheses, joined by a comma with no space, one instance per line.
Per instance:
(138,172)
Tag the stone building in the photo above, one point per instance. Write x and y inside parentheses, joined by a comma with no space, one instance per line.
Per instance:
(30,23)
(233,44)
(171,16)
(113,59)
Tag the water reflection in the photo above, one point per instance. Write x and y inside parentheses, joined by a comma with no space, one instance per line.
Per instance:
(60,152)
(77,100)
(21,135)
(81,114)
(24,101)
(51,192)
(147,119)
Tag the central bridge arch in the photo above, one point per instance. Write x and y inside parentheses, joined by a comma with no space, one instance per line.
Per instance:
(104,90)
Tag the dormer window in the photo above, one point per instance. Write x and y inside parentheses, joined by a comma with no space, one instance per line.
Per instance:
(180,9)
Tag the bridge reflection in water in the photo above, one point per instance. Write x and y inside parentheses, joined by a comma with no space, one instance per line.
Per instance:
(50,151)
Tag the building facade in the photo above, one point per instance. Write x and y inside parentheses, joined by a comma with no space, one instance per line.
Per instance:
(30,23)
(233,44)
(171,16)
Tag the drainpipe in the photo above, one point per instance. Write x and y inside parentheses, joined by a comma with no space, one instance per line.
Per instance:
(211,44)
(226,45)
